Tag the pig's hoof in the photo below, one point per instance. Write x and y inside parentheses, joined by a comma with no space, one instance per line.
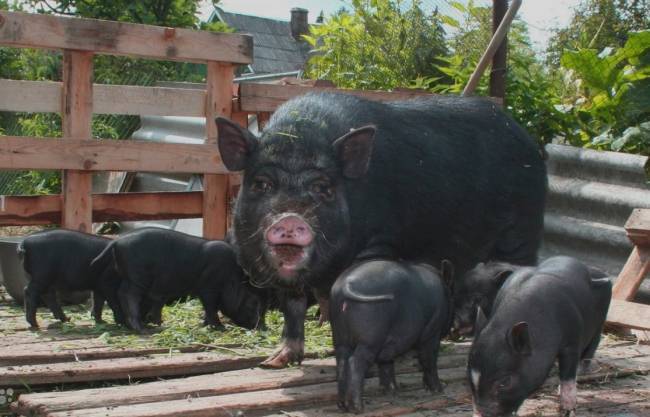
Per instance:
(214,326)
(342,406)
(287,354)
(568,413)
(99,321)
(388,389)
(356,406)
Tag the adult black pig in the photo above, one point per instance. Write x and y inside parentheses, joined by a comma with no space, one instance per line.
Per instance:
(335,178)
(159,265)
(554,311)
(381,309)
(59,259)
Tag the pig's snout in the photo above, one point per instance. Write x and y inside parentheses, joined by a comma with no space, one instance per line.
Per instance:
(290,229)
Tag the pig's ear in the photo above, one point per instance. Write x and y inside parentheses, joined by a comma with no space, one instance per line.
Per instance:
(447,272)
(480,321)
(354,150)
(519,339)
(235,144)
(501,277)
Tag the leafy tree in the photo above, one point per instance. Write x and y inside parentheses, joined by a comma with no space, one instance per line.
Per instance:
(377,45)
(612,100)
(598,24)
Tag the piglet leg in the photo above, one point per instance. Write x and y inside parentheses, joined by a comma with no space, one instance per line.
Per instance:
(568,398)
(53,304)
(568,362)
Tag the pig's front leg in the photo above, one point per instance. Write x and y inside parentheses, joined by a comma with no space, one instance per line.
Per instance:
(292,349)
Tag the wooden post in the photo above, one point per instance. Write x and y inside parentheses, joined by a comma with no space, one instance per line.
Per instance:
(218,102)
(77,113)
(262,119)
(499,61)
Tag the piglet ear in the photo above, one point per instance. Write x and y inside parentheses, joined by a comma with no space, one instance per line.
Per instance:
(235,144)
(519,339)
(480,321)
(501,277)
(354,150)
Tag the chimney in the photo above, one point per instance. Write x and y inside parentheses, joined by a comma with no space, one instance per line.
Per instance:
(299,25)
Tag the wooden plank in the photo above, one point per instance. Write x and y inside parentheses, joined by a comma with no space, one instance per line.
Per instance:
(638,227)
(30,96)
(147,206)
(218,102)
(119,38)
(228,390)
(45,97)
(632,274)
(46,209)
(256,98)
(629,315)
(30,210)
(311,372)
(95,351)
(262,119)
(299,397)
(124,368)
(268,400)
(108,155)
(77,115)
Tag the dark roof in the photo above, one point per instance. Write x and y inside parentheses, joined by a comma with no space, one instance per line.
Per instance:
(275,50)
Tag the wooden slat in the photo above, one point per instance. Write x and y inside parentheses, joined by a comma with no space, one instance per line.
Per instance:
(108,155)
(633,272)
(147,206)
(119,369)
(299,397)
(77,115)
(311,372)
(119,38)
(45,97)
(259,389)
(46,209)
(30,96)
(262,120)
(638,227)
(267,97)
(30,210)
(218,102)
(629,315)
(42,355)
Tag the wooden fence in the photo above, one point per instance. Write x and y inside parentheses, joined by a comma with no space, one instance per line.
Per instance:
(77,98)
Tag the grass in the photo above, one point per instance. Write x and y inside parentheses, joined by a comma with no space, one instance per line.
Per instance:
(183,326)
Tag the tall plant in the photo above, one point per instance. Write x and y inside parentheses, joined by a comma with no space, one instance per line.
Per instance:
(378,45)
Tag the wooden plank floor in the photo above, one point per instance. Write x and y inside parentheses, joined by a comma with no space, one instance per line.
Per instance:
(69,374)
(309,390)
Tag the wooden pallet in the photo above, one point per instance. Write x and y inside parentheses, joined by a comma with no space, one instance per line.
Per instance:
(307,390)
(622,311)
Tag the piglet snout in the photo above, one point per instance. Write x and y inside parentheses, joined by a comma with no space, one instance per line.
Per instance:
(290,229)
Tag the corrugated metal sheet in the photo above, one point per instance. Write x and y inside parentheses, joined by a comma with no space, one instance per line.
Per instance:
(591,195)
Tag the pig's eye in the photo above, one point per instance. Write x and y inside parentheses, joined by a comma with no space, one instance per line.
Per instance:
(323,189)
(261,185)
